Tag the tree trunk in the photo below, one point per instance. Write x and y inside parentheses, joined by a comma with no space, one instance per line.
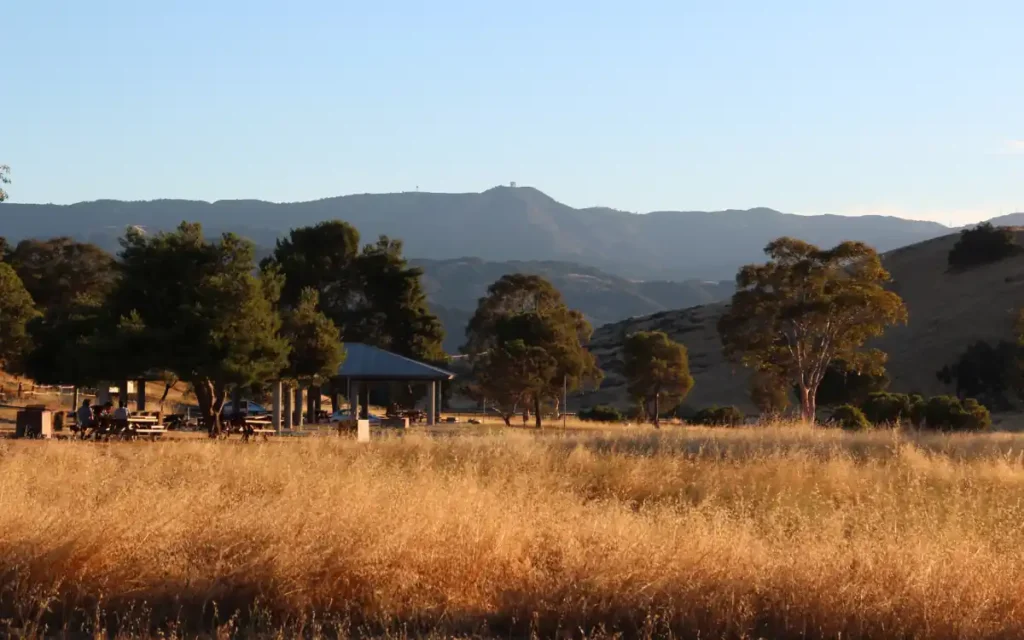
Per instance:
(657,411)
(163,397)
(539,421)
(210,397)
(807,408)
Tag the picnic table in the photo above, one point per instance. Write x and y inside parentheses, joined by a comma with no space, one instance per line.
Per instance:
(249,426)
(145,425)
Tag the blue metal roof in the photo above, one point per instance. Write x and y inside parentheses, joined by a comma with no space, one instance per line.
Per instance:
(365,362)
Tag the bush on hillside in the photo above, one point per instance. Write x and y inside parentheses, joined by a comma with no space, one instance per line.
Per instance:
(883,407)
(990,373)
(981,245)
(715,416)
(600,413)
(946,413)
(850,418)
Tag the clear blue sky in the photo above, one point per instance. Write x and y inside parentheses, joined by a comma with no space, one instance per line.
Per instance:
(909,107)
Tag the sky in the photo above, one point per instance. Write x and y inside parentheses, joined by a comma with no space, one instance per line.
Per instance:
(903,107)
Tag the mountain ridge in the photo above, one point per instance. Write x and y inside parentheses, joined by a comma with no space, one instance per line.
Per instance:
(500,224)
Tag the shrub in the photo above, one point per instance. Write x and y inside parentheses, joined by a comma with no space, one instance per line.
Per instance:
(982,244)
(882,407)
(987,372)
(715,416)
(946,413)
(977,416)
(601,413)
(918,406)
(770,394)
(850,418)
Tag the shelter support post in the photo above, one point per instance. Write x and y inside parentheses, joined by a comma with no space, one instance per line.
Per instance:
(299,392)
(432,405)
(288,415)
(140,395)
(275,415)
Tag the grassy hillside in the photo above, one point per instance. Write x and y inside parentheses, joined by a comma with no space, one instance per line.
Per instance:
(947,311)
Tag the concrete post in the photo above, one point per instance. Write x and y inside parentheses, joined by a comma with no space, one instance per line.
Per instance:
(432,405)
(140,395)
(288,414)
(275,413)
(122,392)
(74,397)
(364,402)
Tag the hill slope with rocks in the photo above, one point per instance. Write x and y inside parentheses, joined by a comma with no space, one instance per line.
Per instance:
(947,311)
(500,224)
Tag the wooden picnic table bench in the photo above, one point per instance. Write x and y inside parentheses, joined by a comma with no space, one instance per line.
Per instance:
(250,426)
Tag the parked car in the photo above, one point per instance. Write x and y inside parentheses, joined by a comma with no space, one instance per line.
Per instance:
(248,406)
(342,415)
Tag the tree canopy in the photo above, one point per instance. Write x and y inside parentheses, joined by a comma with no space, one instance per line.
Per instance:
(657,372)
(372,295)
(202,312)
(5,178)
(316,350)
(16,310)
(527,309)
(806,308)
(59,271)
(982,244)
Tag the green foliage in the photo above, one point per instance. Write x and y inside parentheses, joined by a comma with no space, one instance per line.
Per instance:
(716,416)
(918,409)
(806,308)
(316,351)
(882,407)
(769,393)
(511,374)
(844,383)
(981,245)
(5,178)
(527,309)
(64,345)
(201,312)
(61,272)
(991,373)
(946,413)
(393,313)
(601,413)
(372,296)
(657,371)
(850,418)
(16,310)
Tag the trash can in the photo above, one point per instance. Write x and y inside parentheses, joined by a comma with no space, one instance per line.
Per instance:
(34,422)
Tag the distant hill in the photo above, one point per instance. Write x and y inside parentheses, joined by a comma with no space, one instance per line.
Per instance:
(500,224)
(454,287)
(947,311)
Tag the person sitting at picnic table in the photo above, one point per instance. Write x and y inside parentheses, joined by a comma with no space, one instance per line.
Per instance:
(121,415)
(83,417)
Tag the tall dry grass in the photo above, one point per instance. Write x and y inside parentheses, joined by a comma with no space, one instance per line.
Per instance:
(772,532)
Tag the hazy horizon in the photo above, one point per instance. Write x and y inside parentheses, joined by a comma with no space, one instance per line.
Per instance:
(867,108)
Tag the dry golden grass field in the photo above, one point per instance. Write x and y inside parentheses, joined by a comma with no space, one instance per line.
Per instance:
(774,532)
